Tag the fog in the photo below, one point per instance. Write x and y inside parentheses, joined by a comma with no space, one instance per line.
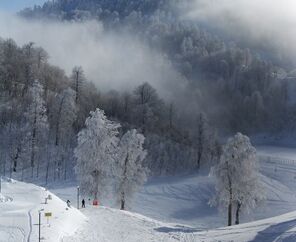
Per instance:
(110,60)
(264,23)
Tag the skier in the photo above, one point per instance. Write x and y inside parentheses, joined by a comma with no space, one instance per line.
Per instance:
(68,203)
(83,203)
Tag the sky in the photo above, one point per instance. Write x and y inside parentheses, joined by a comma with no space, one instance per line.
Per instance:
(16,5)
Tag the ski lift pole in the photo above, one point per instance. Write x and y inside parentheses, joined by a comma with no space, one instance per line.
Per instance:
(78,197)
(40,224)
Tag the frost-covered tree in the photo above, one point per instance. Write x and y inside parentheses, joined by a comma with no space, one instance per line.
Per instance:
(131,171)
(37,122)
(95,153)
(237,179)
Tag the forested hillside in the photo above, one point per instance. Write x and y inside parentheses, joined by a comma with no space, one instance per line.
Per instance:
(227,89)
(42,110)
(237,88)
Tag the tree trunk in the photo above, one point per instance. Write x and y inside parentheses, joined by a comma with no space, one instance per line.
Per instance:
(54,169)
(33,141)
(123,182)
(238,207)
(47,171)
(199,153)
(23,168)
(122,206)
(37,169)
(57,131)
(96,175)
(18,150)
(230,214)
(10,169)
(77,87)
(230,198)
(200,145)
(4,165)
(65,168)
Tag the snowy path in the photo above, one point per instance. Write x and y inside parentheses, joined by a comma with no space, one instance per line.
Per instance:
(106,225)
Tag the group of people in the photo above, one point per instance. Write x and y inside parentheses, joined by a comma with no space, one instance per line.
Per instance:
(82,203)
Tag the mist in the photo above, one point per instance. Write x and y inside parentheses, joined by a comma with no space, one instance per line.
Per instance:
(110,60)
(264,24)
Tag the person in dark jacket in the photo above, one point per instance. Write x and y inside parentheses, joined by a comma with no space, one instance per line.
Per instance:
(68,203)
(83,203)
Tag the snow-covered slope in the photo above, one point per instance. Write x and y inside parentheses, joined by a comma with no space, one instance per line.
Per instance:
(19,214)
(180,203)
(111,225)
(184,200)
(276,229)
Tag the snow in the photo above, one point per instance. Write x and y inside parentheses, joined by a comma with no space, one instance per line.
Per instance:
(18,218)
(180,203)
(108,224)
(4,199)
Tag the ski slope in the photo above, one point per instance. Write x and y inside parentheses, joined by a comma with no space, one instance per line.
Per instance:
(166,209)
(110,225)
(19,214)
(184,199)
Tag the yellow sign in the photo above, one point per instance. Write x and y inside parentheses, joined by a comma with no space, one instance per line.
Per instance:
(48,214)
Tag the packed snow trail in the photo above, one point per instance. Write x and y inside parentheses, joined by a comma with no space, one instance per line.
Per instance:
(19,215)
(113,225)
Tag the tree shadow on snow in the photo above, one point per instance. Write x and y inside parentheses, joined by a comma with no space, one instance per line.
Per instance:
(201,210)
(177,229)
(290,238)
(277,231)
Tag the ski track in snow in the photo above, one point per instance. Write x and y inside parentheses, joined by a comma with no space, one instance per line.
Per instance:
(190,190)
(30,225)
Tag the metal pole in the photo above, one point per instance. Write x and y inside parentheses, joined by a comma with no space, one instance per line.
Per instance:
(0,184)
(78,197)
(39,226)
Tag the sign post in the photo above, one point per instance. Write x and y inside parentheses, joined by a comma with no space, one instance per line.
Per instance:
(77,197)
(48,215)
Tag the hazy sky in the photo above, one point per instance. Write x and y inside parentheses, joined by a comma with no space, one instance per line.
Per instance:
(16,5)
(263,23)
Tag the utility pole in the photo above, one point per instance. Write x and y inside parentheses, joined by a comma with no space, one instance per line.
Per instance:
(78,197)
(40,224)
